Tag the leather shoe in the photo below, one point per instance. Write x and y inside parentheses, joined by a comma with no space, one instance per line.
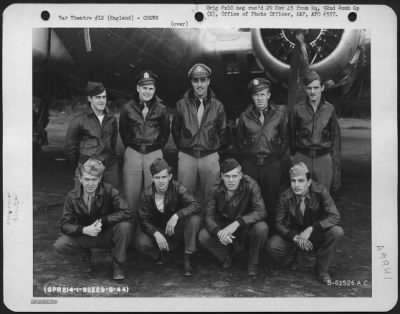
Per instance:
(227,264)
(118,271)
(324,278)
(252,270)
(187,266)
(160,260)
(85,263)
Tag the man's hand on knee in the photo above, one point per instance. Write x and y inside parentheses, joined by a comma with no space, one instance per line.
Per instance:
(92,230)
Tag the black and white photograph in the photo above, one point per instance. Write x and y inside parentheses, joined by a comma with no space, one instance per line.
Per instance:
(207,159)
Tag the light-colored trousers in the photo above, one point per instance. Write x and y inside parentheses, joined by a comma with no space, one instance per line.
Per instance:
(136,174)
(320,167)
(198,175)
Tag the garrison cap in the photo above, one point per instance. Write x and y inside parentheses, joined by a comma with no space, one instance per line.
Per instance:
(311,76)
(146,78)
(258,84)
(159,165)
(199,70)
(92,166)
(94,88)
(298,169)
(229,164)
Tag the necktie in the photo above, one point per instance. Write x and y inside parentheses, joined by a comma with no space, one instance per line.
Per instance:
(302,205)
(89,203)
(200,111)
(145,111)
(262,117)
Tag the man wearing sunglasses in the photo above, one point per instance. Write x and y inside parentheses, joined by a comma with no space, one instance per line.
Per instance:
(198,129)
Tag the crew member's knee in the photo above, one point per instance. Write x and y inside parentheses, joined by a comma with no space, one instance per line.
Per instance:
(336,232)
(261,228)
(124,227)
(194,221)
(204,237)
(63,244)
(274,245)
(143,242)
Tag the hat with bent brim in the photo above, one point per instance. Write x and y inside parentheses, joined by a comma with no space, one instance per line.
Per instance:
(298,169)
(159,165)
(228,165)
(258,84)
(94,88)
(199,70)
(146,78)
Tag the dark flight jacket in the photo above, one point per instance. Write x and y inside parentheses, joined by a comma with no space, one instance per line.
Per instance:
(246,206)
(87,138)
(142,135)
(107,206)
(312,131)
(177,201)
(321,212)
(188,136)
(269,139)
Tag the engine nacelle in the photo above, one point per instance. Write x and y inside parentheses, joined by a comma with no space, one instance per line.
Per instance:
(330,51)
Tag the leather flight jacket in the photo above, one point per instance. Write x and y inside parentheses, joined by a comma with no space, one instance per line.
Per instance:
(144,135)
(195,140)
(246,206)
(265,142)
(176,201)
(87,138)
(321,212)
(108,206)
(312,133)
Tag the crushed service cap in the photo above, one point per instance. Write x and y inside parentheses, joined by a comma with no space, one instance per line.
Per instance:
(258,84)
(298,169)
(159,165)
(199,70)
(311,76)
(146,78)
(94,88)
(228,165)
(94,167)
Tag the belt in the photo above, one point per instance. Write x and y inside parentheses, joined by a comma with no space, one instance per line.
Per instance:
(261,160)
(313,153)
(144,149)
(197,153)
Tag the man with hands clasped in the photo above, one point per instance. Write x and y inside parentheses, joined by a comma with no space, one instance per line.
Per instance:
(95,216)
(234,217)
(306,219)
(168,216)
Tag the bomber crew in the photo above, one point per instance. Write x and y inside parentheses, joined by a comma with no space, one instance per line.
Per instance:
(168,215)
(234,217)
(307,219)
(93,133)
(312,131)
(262,137)
(198,129)
(95,216)
(144,127)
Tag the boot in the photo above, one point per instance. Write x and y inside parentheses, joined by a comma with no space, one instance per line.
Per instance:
(118,270)
(187,266)
(85,262)
(227,264)
(252,270)
(161,259)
